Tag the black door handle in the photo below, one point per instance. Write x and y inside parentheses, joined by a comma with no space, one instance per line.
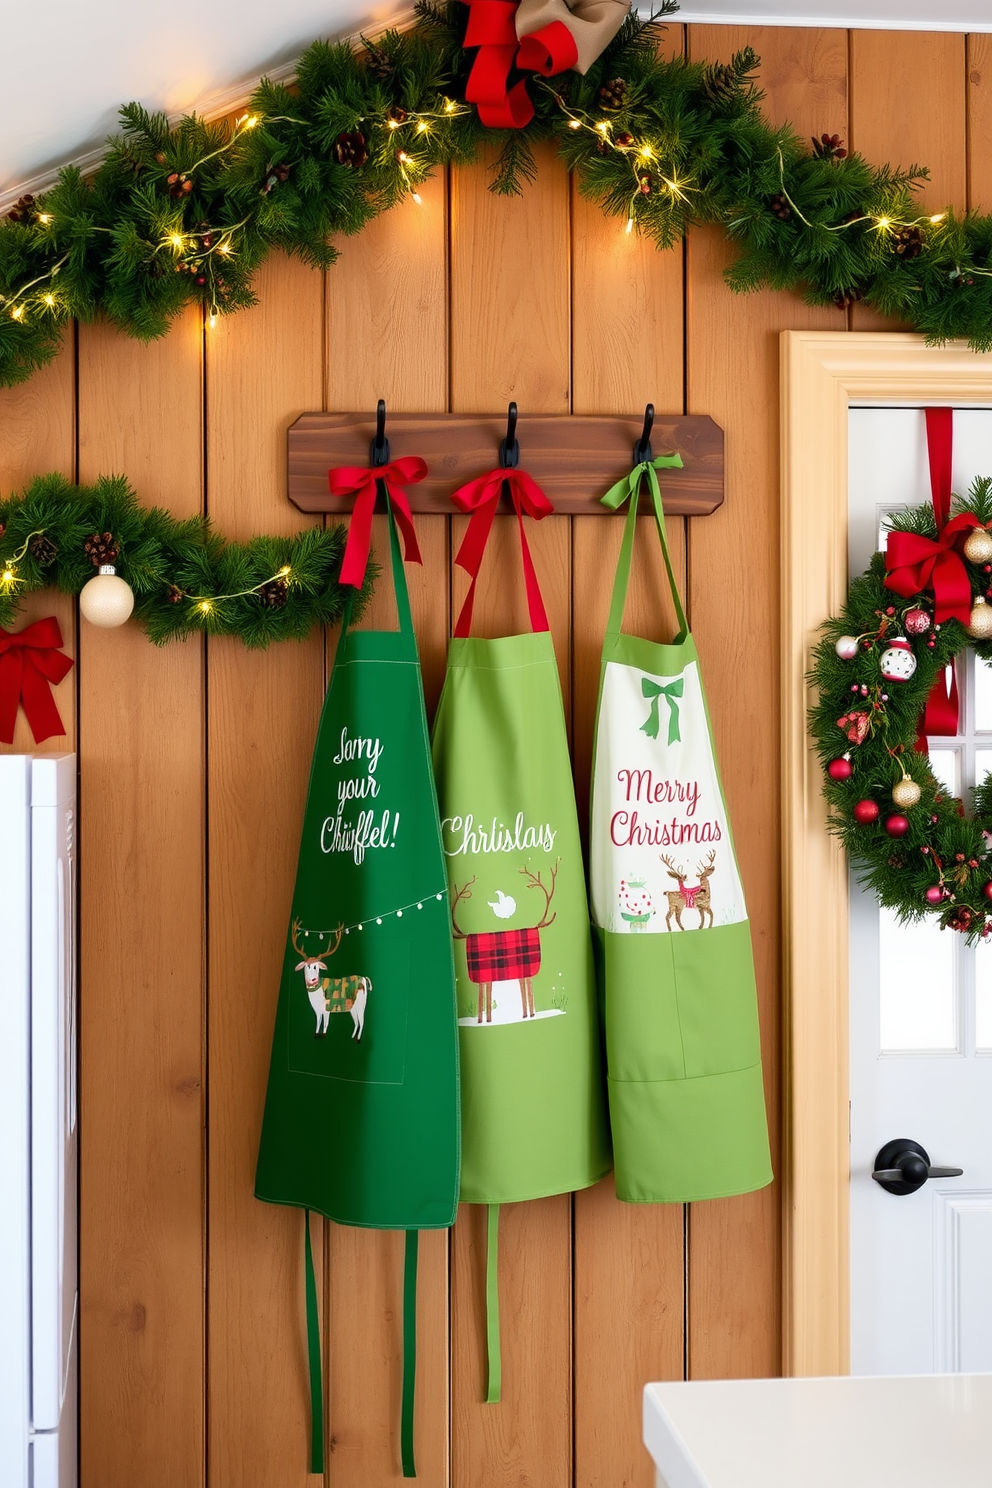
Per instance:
(902,1166)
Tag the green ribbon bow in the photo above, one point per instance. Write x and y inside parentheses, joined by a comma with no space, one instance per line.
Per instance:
(626,488)
(670,693)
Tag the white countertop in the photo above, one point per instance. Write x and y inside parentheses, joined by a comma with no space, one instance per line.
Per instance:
(928,1431)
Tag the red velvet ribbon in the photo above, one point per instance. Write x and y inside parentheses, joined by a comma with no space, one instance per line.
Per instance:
(30,661)
(361,481)
(481,498)
(492,28)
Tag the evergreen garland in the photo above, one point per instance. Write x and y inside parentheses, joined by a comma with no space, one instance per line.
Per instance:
(944,852)
(186,578)
(185,215)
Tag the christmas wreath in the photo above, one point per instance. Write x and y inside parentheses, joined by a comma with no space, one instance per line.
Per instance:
(878,673)
(185,215)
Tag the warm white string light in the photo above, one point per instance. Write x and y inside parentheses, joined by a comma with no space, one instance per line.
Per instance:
(377,919)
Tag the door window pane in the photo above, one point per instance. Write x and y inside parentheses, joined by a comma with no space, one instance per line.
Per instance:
(917,1001)
(982,683)
(946,765)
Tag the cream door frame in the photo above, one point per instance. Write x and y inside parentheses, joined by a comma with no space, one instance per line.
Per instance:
(822,374)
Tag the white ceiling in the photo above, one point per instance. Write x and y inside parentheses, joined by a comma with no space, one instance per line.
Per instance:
(206,54)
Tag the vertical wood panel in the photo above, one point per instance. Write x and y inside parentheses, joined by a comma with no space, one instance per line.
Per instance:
(629,1263)
(142,826)
(908,107)
(510,339)
(264,368)
(979,97)
(734,1276)
(38,435)
(387,330)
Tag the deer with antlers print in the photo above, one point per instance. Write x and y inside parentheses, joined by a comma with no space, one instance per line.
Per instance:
(686,897)
(506,955)
(347,994)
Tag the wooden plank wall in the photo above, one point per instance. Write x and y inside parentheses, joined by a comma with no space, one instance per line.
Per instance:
(194,765)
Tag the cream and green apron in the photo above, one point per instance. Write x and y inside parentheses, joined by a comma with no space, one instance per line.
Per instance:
(533,1111)
(687,1106)
(361,1113)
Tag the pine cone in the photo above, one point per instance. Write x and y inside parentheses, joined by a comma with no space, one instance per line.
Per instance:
(396,115)
(719,83)
(907,242)
(613,95)
(780,206)
(179,186)
(22,209)
(377,63)
(895,861)
(273,594)
(350,149)
(829,147)
(275,175)
(43,550)
(623,141)
(101,549)
(959,919)
(175,595)
(845,298)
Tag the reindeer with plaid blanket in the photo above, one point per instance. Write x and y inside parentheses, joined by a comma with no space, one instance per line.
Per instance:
(505,955)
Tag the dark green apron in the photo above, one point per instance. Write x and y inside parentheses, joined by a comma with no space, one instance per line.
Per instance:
(361,1112)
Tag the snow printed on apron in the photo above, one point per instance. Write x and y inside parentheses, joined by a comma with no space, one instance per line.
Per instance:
(361,1113)
(533,1112)
(683,1056)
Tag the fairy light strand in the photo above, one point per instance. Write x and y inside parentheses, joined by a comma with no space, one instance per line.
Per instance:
(205,603)
(387,914)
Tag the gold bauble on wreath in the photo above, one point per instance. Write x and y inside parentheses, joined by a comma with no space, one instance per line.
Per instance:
(978,546)
(980,624)
(906,793)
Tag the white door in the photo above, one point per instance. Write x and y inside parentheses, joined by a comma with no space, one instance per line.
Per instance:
(921,1012)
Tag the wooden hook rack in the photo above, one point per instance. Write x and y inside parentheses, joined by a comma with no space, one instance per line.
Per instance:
(573,459)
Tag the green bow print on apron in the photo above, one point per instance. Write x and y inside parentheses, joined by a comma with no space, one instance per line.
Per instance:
(533,1113)
(683,1058)
(361,1112)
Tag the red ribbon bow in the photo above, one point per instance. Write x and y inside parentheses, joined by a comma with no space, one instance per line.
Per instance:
(361,481)
(492,28)
(30,661)
(916,564)
(481,498)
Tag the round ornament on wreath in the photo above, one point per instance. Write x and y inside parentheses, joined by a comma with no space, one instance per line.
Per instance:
(874,670)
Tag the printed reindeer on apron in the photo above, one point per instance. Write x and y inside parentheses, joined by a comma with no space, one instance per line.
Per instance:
(697,897)
(347,994)
(505,955)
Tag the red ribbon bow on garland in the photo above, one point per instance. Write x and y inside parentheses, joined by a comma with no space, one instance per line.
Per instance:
(481,498)
(361,481)
(30,661)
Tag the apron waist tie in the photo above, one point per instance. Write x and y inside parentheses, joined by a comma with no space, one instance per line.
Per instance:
(409,1351)
(492,1307)
(313,1352)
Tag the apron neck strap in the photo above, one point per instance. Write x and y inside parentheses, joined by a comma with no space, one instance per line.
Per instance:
(630,488)
(400,589)
(481,498)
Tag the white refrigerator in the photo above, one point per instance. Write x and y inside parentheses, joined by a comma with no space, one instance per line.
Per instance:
(38,1149)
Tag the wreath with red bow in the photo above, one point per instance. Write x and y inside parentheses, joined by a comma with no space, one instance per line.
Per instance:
(880,673)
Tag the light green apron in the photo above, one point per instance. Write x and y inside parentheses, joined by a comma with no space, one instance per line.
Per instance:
(533,1112)
(683,1057)
(361,1113)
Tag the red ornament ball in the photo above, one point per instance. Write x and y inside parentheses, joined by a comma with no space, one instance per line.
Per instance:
(987,890)
(866,812)
(935,895)
(916,622)
(840,769)
(896,825)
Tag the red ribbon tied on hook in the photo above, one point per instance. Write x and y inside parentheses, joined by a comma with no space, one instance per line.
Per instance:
(30,661)
(361,481)
(481,498)
(492,28)
(916,564)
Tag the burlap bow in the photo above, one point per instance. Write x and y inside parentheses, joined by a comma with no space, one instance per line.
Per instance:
(574,35)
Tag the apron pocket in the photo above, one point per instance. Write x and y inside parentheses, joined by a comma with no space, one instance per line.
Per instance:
(355,1027)
(717,1000)
(643,1039)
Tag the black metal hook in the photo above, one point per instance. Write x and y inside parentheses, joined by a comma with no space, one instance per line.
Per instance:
(379,448)
(509,450)
(642,449)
